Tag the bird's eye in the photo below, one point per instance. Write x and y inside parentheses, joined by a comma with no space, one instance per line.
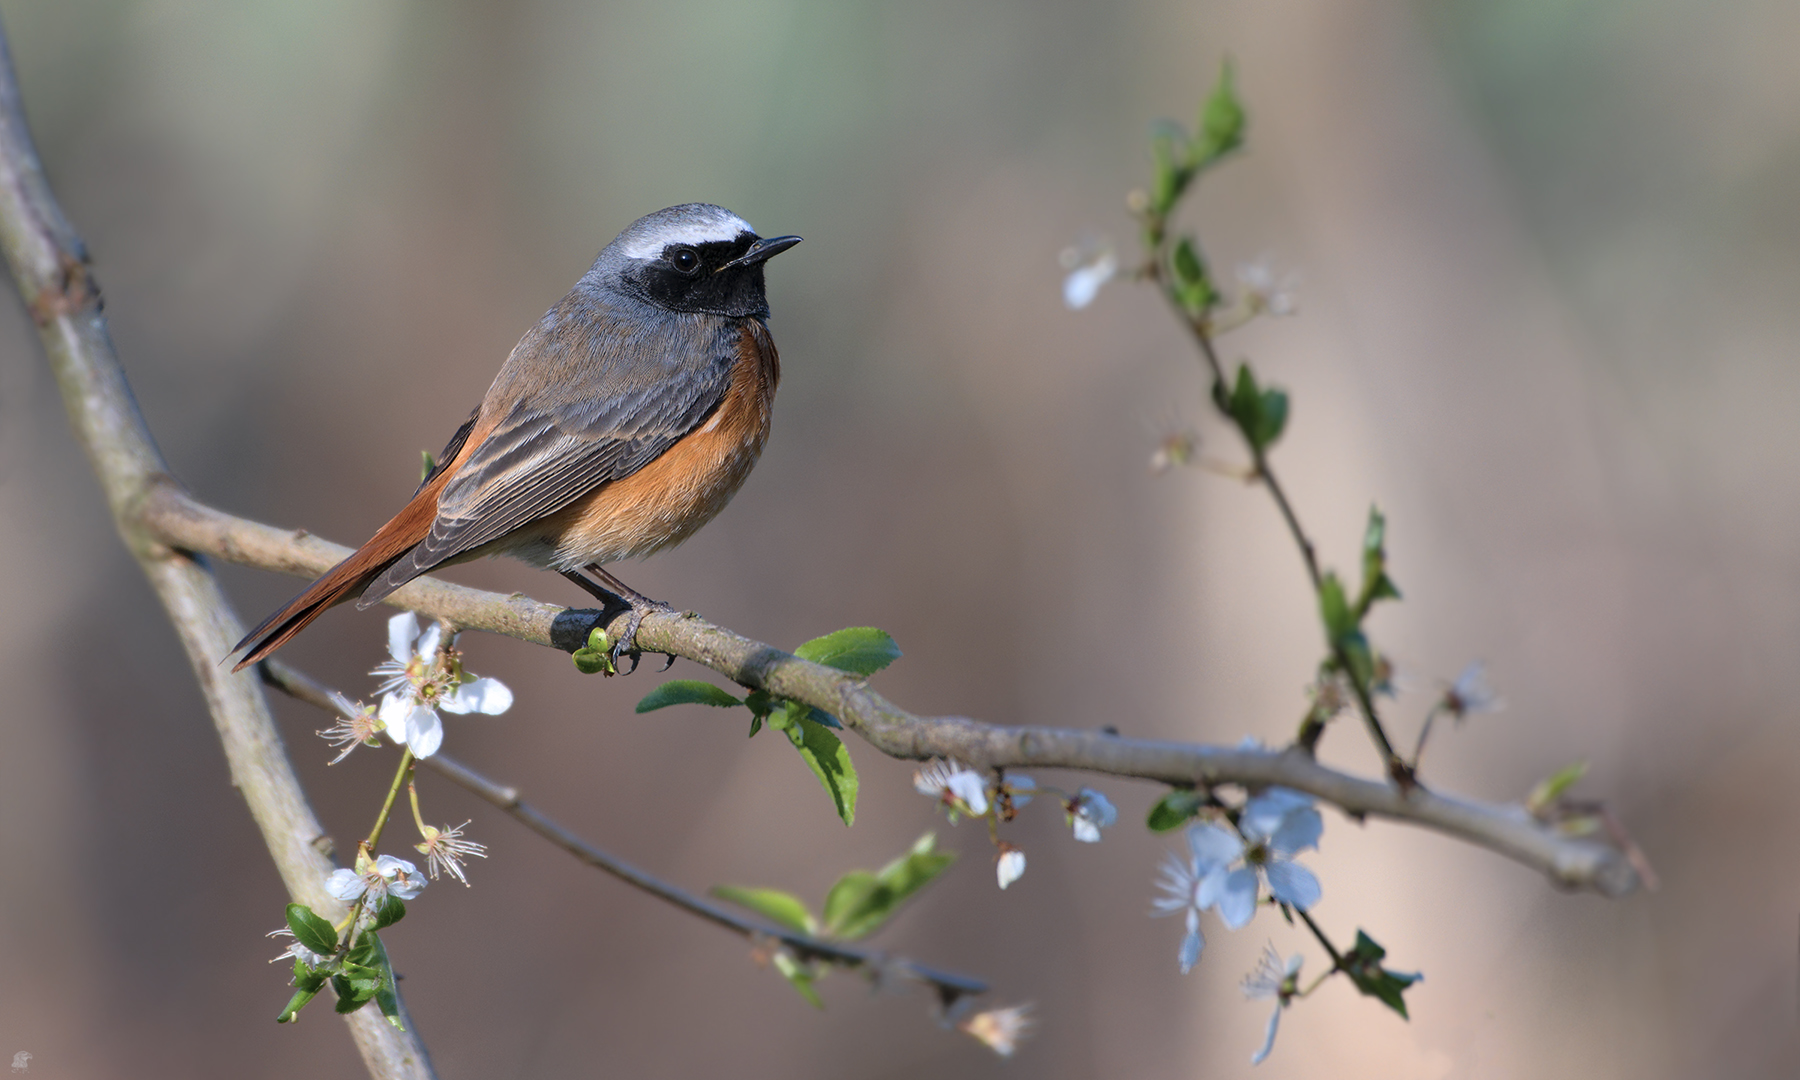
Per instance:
(685,259)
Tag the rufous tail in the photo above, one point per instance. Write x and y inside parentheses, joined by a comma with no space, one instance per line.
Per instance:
(347,579)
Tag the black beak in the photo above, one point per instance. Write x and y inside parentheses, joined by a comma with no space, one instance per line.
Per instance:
(762,251)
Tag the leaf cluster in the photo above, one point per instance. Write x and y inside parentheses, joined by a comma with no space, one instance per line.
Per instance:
(358,973)
(858,650)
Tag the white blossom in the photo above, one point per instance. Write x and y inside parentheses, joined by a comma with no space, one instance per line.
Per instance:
(1471,693)
(955,785)
(1263,292)
(1091,265)
(1274,826)
(387,875)
(1000,1030)
(1272,978)
(1089,812)
(1180,882)
(1009,866)
(419,681)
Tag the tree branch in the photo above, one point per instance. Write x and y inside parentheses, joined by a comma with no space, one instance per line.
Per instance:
(49,265)
(177,520)
(948,986)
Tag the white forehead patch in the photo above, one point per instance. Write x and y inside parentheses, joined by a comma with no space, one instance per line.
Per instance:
(693,223)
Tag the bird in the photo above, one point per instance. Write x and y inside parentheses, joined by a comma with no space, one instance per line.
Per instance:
(619,425)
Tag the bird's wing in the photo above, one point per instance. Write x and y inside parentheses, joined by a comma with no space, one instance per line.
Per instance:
(615,402)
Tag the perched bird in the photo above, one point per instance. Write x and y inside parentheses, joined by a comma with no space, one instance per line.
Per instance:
(621,423)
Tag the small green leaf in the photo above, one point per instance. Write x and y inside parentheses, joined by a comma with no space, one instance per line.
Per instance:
(353,992)
(1193,285)
(1376,583)
(387,997)
(1221,121)
(291,1011)
(860,650)
(391,911)
(1260,414)
(686,692)
(1363,964)
(1551,787)
(860,902)
(826,756)
(311,931)
(755,724)
(849,902)
(1334,609)
(429,464)
(308,979)
(1168,176)
(760,702)
(1174,809)
(801,976)
(781,908)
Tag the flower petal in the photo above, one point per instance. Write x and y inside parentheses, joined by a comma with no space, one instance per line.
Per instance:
(1085,831)
(424,732)
(1214,845)
(1191,943)
(1084,282)
(1237,904)
(1010,867)
(1268,1037)
(968,786)
(1292,883)
(1298,831)
(428,642)
(403,630)
(489,696)
(1265,813)
(346,885)
(395,708)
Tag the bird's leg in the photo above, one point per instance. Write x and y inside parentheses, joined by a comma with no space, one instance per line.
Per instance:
(640,605)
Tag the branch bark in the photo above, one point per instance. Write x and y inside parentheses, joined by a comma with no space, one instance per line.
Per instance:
(49,265)
(177,520)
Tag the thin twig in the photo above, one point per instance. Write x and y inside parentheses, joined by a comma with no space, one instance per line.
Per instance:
(948,985)
(173,518)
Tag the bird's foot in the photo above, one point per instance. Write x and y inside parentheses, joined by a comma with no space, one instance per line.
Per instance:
(636,602)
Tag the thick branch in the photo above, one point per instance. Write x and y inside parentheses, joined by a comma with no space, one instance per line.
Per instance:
(177,520)
(50,267)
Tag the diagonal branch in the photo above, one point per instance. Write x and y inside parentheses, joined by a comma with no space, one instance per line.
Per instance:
(949,987)
(49,265)
(177,520)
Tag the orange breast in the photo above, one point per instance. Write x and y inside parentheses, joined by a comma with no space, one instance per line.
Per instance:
(666,501)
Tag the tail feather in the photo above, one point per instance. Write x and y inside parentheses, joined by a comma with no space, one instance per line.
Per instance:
(348,578)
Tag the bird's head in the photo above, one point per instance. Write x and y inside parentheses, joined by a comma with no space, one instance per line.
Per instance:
(695,257)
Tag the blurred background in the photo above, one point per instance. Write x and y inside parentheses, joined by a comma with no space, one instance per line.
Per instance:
(1549,255)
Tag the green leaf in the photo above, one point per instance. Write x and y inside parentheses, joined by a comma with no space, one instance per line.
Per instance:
(686,692)
(391,911)
(849,902)
(860,650)
(781,908)
(387,997)
(311,931)
(826,756)
(1363,964)
(1545,794)
(1260,414)
(860,902)
(1376,584)
(1334,609)
(308,979)
(291,1011)
(1221,121)
(801,976)
(1193,285)
(353,992)
(1174,809)
(429,464)
(1168,176)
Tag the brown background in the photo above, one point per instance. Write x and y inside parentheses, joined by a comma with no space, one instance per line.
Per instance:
(1550,261)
